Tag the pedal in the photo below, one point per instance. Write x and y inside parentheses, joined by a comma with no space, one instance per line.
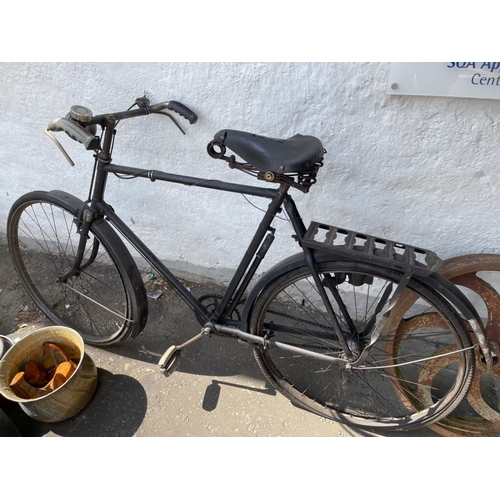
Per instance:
(170,361)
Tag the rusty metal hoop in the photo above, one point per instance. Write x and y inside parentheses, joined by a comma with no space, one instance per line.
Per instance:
(463,271)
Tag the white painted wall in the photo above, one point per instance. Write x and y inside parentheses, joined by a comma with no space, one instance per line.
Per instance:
(420,170)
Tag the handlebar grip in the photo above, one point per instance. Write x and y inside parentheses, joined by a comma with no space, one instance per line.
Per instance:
(183,111)
(75,131)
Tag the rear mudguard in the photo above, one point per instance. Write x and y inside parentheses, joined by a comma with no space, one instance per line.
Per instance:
(453,294)
(75,206)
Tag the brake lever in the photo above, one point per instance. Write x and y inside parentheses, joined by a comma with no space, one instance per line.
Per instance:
(58,144)
(172,118)
(144,102)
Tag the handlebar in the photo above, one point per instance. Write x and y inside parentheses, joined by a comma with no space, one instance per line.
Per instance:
(78,131)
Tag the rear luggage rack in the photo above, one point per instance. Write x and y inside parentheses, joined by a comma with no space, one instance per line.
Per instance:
(371,249)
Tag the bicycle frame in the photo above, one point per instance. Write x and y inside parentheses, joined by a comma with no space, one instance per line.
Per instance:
(256,250)
(245,270)
(255,253)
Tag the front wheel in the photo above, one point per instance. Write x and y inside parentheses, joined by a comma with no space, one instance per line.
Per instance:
(417,372)
(104,301)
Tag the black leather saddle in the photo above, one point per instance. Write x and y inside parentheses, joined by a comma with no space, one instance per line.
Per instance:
(281,156)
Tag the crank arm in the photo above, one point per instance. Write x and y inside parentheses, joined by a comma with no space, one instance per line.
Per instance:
(171,358)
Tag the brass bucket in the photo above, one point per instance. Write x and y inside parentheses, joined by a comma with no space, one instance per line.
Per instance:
(65,401)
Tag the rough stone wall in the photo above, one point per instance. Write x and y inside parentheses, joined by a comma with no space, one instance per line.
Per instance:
(420,170)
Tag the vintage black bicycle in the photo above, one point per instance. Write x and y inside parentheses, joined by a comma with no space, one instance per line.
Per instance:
(352,327)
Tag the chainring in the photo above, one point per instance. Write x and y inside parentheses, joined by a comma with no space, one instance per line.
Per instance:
(211,302)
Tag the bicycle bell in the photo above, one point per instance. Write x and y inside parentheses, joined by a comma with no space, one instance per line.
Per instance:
(82,115)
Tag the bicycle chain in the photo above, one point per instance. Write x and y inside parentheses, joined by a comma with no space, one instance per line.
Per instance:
(312,323)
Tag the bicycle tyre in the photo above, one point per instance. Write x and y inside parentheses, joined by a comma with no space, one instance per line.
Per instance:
(381,399)
(104,302)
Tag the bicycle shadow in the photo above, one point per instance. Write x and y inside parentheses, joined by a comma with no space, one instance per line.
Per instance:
(117,409)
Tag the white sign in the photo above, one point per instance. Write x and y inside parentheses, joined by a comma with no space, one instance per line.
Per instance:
(479,80)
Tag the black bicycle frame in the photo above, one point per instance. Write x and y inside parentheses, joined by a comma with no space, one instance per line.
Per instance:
(253,256)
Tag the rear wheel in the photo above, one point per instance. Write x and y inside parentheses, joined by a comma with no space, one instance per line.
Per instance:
(400,385)
(105,300)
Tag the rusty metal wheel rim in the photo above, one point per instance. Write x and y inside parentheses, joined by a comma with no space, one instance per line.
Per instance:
(462,271)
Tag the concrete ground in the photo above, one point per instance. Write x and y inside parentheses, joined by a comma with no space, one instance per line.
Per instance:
(218,389)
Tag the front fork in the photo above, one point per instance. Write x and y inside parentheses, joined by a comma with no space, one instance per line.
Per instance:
(83,228)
